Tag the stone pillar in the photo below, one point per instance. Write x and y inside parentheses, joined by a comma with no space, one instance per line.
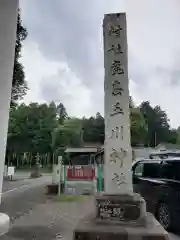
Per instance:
(118,153)
(8,23)
(119,213)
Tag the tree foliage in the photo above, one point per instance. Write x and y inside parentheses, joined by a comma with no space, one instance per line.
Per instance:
(157,124)
(47,128)
(61,112)
(93,128)
(30,127)
(139,128)
(19,85)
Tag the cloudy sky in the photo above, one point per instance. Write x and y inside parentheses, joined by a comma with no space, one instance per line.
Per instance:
(63,54)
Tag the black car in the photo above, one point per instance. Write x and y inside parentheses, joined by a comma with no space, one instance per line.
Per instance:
(158,181)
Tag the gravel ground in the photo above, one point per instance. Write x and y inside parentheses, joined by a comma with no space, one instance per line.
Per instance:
(49,221)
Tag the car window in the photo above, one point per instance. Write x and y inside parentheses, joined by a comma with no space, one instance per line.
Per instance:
(147,170)
(171,170)
(138,171)
(151,170)
(167,171)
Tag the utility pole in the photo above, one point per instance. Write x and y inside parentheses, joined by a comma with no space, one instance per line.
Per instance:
(82,136)
(155,139)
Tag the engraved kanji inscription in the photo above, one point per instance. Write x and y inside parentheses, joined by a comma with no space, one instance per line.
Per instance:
(111,211)
(118,156)
(122,132)
(118,212)
(116,88)
(114,30)
(116,68)
(117,133)
(116,49)
(116,109)
(115,176)
(105,212)
(120,179)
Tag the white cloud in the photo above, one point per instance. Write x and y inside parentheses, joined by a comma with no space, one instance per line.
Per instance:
(56,81)
(36,67)
(63,55)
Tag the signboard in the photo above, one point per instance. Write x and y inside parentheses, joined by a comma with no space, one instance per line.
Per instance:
(11,171)
(111,211)
(118,211)
(80,173)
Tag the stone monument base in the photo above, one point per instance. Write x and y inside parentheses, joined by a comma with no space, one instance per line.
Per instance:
(88,229)
(121,217)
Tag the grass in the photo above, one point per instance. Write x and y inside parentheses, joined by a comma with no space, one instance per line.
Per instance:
(71,198)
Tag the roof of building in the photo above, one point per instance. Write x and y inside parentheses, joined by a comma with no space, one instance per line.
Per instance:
(89,144)
(86,147)
(81,150)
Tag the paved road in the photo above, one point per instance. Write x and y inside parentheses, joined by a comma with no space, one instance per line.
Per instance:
(21,180)
(19,197)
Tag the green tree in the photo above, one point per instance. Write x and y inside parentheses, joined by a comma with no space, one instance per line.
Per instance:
(68,134)
(173,136)
(30,127)
(61,113)
(94,129)
(157,123)
(47,129)
(131,103)
(139,127)
(19,85)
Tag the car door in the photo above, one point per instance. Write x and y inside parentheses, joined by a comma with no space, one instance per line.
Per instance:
(137,173)
(145,182)
(152,183)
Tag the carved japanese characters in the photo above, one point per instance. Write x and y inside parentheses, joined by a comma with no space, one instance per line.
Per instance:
(114,30)
(118,156)
(110,211)
(117,133)
(116,49)
(117,68)
(116,88)
(119,178)
(117,109)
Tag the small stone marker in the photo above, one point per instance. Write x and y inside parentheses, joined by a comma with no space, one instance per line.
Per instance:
(119,213)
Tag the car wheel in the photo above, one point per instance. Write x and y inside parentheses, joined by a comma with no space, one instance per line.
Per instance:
(164,216)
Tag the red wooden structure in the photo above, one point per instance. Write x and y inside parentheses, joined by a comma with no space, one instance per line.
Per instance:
(80,173)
